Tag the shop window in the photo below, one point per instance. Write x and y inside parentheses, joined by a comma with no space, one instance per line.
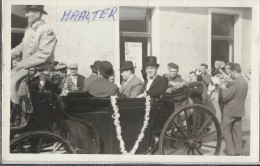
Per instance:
(222,38)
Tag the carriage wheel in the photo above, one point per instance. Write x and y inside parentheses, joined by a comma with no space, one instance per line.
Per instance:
(39,142)
(192,130)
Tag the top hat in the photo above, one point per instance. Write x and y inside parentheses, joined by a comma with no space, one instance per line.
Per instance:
(73,66)
(127,65)
(94,67)
(151,61)
(106,68)
(39,8)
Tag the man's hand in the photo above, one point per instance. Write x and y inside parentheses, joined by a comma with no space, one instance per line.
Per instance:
(18,67)
(143,95)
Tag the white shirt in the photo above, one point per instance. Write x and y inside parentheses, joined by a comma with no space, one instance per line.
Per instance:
(74,80)
(150,81)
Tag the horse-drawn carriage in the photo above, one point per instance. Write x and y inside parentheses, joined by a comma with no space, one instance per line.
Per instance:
(76,122)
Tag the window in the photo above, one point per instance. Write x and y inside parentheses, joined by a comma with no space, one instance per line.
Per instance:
(222,38)
(18,24)
(135,35)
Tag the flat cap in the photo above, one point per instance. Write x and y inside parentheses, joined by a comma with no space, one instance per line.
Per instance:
(73,66)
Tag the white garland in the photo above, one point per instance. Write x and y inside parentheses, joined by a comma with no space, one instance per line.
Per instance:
(116,116)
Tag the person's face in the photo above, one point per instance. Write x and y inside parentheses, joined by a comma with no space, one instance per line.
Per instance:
(227,69)
(233,74)
(173,72)
(125,74)
(193,77)
(32,16)
(203,69)
(74,72)
(151,71)
(111,79)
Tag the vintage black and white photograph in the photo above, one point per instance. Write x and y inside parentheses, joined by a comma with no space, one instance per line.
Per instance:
(168,79)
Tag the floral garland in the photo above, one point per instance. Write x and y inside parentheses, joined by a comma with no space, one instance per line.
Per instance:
(116,116)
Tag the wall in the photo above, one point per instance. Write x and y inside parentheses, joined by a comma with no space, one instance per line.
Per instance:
(83,41)
(183,38)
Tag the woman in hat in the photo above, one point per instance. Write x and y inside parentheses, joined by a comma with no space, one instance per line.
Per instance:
(102,87)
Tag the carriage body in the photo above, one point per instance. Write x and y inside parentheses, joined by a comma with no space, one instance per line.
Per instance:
(84,123)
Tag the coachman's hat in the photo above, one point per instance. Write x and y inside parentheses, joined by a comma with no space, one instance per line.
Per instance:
(39,8)
(151,61)
(106,68)
(126,65)
(94,67)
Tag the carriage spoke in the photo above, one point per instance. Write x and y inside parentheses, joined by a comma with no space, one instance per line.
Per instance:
(204,125)
(198,150)
(194,123)
(193,153)
(185,150)
(203,136)
(210,146)
(187,122)
(56,148)
(178,128)
(175,139)
(39,145)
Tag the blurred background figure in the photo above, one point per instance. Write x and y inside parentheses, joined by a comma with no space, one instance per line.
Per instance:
(75,80)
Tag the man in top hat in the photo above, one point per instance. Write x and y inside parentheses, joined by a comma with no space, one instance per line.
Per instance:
(37,48)
(93,76)
(131,86)
(155,85)
(102,87)
(75,80)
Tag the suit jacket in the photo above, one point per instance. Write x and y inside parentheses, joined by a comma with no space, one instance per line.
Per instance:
(101,87)
(158,86)
(88,81)
(80,83)
(133,88)
(234,98)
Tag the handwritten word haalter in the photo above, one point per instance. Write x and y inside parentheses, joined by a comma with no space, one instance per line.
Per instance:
(85,15)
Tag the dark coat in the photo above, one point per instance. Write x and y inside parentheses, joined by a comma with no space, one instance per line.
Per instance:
(89,80)
(133,88)
(158,87)
(101,87)
(177,78)
(196,94)
(234,98)
(80,82)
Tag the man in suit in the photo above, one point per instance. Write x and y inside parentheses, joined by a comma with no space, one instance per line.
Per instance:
(93,76)
(75,80)
(155,85)
(102,87)
(206,79)
(131,86)
(36,49)
(234,109)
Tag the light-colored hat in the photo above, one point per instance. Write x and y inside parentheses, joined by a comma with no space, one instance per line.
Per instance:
(73,66)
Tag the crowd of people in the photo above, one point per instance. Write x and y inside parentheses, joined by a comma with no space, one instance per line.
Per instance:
(37,48)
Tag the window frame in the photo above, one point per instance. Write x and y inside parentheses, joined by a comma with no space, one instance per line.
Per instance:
(237,51)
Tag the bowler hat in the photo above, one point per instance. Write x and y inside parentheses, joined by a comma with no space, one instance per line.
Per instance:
(39,8)
(94,67)
(73,66)
(106,68)
(151,61)
(127,65)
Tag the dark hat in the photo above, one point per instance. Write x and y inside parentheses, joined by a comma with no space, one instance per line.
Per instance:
(94,67)
(73,66)
(126,65)
(151,61)
(39,8)
(173,65)
(105,68)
